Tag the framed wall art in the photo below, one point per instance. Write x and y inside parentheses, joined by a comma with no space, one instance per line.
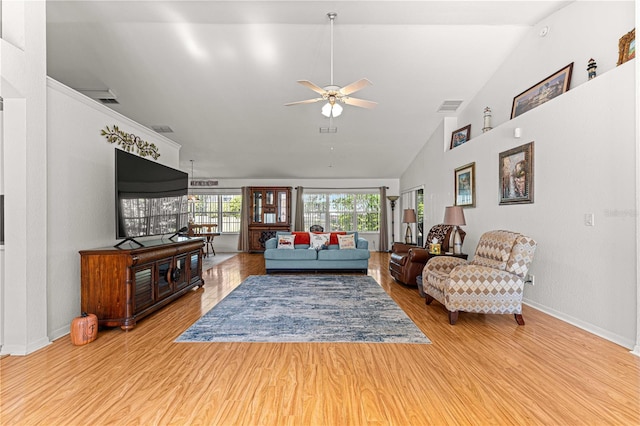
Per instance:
(465,185)
(516,175)
(460,136)
(627,47)
(553,86)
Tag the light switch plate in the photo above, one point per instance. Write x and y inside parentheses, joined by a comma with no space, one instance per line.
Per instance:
(589,219)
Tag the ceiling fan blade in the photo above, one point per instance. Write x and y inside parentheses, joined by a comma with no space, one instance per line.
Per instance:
(308,101)
(312,86)
(359,102)
(355,86)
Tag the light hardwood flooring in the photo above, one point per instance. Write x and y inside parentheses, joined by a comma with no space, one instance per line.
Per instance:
(484,370)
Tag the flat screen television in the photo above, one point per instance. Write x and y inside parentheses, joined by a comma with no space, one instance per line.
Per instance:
(151,198)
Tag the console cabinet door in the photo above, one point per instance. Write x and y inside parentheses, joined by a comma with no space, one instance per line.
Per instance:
(164,283)
(143,277)
(180,274)
(195,267)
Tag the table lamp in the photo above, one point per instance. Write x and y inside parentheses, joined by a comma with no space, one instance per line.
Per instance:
(409,217)
(454,215)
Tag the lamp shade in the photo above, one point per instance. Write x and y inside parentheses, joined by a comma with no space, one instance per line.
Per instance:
(392,197)
(409,216)
(454,215)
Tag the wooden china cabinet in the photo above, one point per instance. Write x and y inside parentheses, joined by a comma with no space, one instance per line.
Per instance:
(270,212)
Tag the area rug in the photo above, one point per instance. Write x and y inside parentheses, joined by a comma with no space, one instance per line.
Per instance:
(306,308)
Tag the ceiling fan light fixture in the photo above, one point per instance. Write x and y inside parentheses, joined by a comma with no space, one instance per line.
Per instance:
(329,110)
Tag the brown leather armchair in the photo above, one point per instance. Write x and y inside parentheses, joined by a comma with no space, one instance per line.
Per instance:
(407,261)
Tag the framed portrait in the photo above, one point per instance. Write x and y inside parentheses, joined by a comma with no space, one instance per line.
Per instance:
(460,136)
(627,47)
(553,86)
(516,175)
(465,185)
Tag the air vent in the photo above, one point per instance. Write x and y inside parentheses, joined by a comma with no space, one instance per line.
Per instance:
(100,95)
(107,101)
(203,182)
(328,130)
(162,129)
(449,106)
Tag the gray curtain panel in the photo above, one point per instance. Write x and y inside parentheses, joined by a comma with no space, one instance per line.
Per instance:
(243,237)
(298,222)
(383,243)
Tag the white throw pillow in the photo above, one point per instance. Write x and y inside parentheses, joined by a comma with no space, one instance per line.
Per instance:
(347,242)
(286,242)
(318,241)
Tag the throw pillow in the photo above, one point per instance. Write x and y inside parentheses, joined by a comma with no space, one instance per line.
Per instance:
(301,237)
(333,238)
(318,241)
(346,242)
(286,242)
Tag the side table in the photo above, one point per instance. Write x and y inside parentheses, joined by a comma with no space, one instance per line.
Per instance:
(461,255)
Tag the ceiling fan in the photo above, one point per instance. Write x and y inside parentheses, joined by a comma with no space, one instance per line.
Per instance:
(334,95)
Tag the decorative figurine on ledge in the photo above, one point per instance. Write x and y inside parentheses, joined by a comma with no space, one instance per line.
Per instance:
(487,120)
(591,68)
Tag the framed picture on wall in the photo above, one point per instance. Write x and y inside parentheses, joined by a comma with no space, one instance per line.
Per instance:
(551,87)
(516,175)
(627,47)
(460,136)
(465,185)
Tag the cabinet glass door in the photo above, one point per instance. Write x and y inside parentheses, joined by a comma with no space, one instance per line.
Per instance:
(269,198)
(283,208)
(257,207)
(164,285)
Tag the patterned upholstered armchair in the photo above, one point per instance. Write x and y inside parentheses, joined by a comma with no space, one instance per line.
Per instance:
(407,261)
(492,283)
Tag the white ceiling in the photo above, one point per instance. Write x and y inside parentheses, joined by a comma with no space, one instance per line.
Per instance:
(219,73)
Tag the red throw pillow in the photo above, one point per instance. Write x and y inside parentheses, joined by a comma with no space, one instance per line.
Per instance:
(302,238)
(333,238)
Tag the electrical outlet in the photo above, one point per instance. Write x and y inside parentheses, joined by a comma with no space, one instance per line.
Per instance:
(530,279)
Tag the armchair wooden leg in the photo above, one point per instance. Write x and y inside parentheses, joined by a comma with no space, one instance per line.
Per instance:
(428,299)
(519,319)
(453,317)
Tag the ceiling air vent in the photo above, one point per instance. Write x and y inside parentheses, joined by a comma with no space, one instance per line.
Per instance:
(328,130)
(162,129)
(449,106)
(104,96)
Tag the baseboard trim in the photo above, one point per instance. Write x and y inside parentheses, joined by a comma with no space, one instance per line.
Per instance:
(605,334)
(21,350)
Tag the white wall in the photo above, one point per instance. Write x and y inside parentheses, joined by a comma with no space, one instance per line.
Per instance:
(229,243)
(585,160)
(81,191)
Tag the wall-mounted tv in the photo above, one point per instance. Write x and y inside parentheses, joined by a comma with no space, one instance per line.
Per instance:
(151,199)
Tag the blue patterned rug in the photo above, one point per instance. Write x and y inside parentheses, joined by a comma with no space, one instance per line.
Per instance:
(306,308)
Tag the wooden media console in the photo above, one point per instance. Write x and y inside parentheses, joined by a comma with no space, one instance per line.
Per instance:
(122,285)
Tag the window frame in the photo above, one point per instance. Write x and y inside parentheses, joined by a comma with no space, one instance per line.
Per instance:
(326,215)
(222,216)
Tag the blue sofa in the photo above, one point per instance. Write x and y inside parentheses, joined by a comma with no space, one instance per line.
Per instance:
(301,258)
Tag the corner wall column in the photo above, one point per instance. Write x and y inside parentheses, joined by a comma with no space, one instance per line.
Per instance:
(24,92)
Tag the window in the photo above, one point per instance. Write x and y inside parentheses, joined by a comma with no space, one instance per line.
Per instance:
(221,209)
(342,211)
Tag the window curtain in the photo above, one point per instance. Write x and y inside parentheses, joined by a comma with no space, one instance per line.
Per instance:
(243,237)
(298,223)
(383,243)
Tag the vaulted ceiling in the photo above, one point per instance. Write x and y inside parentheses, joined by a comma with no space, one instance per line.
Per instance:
(218,73)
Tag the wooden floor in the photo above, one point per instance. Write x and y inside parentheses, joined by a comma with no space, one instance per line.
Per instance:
(484,370)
